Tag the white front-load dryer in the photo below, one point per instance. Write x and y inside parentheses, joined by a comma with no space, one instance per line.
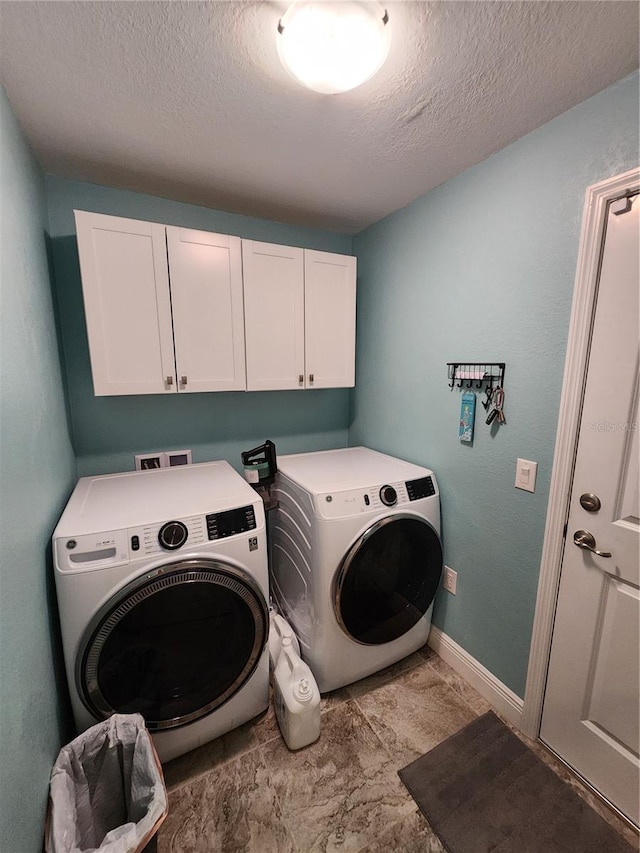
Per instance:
(162,585)
(356,559)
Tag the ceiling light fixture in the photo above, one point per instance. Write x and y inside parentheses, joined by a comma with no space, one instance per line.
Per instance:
(332,47)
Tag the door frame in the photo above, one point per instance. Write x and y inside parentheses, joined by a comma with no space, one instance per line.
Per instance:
(597,198)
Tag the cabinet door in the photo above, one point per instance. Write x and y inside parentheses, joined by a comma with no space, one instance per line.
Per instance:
(273,315)
(330,319)
(125,285)
(206,298)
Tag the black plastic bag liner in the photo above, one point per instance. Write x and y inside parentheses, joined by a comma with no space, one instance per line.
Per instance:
(107,790)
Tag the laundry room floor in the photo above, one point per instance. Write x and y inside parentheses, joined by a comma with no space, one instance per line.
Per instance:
(247,792)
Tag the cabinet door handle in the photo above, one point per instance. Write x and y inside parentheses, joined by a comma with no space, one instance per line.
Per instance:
(183,380)
(311,379)
(301,379)
(169,381)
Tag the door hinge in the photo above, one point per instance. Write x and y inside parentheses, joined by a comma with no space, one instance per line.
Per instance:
(623,204)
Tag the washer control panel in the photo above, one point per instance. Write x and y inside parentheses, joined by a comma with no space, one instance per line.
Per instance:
(119,547)
(166,536)
(231,522)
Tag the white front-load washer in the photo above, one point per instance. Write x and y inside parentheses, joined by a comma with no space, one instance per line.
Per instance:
(356,559)
(162,585)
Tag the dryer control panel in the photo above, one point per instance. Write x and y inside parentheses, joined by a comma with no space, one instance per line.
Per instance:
(355,501)
(422,488)
(341,504)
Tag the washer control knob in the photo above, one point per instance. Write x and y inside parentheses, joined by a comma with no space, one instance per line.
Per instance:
(388,495)
(173,535)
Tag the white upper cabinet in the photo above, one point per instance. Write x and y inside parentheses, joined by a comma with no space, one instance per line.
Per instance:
(329,319)
(163,307)
(300,313)
(273,315)
(206,298)
(171,310)
(126,297)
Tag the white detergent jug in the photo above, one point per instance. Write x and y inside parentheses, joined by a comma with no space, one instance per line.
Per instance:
(296,698)
(279,628)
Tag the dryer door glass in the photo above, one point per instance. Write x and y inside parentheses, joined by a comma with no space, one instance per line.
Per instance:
(388,579)
(175,645)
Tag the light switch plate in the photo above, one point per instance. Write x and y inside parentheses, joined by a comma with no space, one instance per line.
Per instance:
(526,471)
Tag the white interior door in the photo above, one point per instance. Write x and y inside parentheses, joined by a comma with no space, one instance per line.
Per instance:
(208,314)
(591,705)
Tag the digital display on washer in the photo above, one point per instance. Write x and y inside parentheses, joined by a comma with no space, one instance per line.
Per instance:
(422,488)
(231,522)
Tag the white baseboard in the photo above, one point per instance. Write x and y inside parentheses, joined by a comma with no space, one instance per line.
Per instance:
(494,691)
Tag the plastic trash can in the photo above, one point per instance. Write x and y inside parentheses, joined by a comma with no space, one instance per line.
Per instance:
(107,790)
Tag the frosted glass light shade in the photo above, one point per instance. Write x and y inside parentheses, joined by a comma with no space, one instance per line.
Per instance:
(332,47)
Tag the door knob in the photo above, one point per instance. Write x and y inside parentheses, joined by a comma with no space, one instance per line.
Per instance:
(585,540)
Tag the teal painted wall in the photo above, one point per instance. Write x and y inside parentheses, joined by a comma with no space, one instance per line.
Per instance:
(483,268)
(108,431)
(37,472)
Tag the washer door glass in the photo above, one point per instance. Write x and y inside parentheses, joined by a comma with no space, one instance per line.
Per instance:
(388,579)
(175,644)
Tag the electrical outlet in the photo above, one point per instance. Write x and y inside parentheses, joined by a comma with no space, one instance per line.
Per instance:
(148,461)
(177,457)
(450,581)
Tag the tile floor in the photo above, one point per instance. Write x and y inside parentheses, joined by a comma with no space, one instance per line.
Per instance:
(247,792)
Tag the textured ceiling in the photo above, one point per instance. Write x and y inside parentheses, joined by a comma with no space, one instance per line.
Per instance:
(188,99)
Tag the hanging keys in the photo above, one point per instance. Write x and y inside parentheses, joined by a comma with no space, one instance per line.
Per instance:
(496,413)
(489,392)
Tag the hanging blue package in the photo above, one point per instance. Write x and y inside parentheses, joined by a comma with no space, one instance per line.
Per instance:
(467,416)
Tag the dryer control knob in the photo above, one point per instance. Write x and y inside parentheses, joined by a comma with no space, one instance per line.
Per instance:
(388,495)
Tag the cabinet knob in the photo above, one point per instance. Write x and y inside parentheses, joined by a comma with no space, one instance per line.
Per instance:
(311,379)
(169,381)
(183,380)
(301,379)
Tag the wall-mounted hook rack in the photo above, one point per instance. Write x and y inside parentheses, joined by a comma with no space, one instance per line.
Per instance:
(478,373)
